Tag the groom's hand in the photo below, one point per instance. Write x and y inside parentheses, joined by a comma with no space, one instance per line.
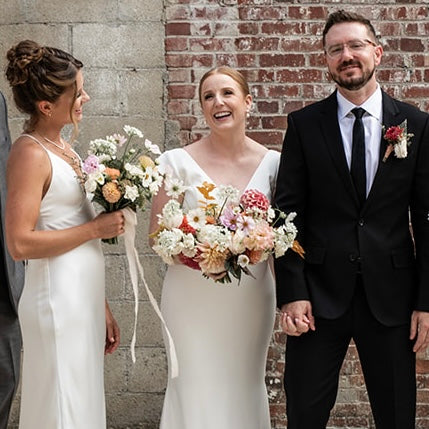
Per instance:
(420,330)
(297,318)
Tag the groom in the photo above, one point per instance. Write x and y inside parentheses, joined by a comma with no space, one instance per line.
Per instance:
(11,284)
(365,276)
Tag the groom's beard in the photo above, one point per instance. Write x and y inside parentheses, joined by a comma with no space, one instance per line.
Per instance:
(352,83)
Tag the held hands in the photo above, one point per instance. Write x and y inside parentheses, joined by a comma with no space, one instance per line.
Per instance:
(420,330)
(113,336)
(109,225)
(297,318)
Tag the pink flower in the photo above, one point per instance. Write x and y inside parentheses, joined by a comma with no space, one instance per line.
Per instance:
(91,164)
(229,218)
(253,198)
(261,237)
(211,259)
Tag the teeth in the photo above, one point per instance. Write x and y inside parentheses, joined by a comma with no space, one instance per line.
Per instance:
(221,115)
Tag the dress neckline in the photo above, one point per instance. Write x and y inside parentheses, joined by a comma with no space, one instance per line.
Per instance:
(264,158)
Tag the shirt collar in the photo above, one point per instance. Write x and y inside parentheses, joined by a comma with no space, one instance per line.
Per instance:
(373,105)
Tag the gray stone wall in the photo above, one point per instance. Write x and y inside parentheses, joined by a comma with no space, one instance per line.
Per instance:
(121,43)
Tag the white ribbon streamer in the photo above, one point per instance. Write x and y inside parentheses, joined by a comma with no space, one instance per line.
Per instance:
(134,265)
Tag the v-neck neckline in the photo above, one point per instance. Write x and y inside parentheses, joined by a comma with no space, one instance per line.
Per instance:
(212,181)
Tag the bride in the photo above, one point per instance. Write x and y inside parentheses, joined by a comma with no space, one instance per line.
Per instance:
(221,331)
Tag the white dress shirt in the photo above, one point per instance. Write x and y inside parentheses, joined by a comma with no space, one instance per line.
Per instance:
(372,122)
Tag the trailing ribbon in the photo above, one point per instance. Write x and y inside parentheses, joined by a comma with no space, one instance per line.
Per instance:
(134,266)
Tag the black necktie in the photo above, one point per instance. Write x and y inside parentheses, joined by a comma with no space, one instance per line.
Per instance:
(358,170)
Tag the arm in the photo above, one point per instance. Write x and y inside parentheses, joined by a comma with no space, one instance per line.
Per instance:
(113,336)
(292,294)
(420,224)
(28,178)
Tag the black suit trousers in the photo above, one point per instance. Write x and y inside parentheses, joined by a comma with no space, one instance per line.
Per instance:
(314,360)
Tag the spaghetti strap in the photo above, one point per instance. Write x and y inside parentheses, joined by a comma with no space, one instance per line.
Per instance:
(34,139)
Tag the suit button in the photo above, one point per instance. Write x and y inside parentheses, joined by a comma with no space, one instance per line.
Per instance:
(352,257)
(361,222)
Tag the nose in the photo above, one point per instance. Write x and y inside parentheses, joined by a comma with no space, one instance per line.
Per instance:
(85,97)
(218,99)
(346,52)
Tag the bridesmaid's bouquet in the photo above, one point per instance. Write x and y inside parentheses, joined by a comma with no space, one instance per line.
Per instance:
(225,234)
(119,174)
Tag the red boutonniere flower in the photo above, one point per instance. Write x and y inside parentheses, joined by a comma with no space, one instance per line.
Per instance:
(398,139)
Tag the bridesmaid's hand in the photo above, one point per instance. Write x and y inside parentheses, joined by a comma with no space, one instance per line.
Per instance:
(113,336)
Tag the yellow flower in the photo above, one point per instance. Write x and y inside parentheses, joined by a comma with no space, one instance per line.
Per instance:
(146,162)
(111,192)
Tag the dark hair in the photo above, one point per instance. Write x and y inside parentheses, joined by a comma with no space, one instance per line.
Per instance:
(39,73)
(341,16)
(228,71)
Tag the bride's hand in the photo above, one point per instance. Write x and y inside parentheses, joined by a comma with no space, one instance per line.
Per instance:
(113,335)
(109,225)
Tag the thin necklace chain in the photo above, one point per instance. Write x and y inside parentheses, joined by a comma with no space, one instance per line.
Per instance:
(62,147)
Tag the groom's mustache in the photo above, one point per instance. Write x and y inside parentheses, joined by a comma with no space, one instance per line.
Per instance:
(349,63)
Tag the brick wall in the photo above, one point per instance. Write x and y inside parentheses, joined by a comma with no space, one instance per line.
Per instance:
(277,45)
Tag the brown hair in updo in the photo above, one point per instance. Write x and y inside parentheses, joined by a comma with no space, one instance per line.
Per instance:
(38,73)
(228,71)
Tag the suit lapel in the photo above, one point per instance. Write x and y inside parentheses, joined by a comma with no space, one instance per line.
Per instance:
(390,113)
(332,136)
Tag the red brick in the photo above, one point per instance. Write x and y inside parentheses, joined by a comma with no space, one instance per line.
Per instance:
(311,12)
(181,91)
(282,60)
(268,107)
(176,44)
(300,75)
(412,45)
(177,28)
(248,28)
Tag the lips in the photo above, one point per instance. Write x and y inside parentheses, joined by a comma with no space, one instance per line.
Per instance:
(222,115)
(349,66)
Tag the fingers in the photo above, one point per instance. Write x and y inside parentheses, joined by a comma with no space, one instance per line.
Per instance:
(295,326)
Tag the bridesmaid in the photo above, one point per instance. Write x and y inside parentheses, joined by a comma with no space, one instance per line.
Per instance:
(221,331)
(66,322)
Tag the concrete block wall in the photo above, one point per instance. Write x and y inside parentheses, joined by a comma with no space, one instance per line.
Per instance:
(121,44)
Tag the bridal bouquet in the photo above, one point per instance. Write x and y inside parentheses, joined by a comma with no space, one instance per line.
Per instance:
(119,174)
(225,234)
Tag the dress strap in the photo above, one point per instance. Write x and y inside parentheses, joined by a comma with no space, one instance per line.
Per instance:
(37,141)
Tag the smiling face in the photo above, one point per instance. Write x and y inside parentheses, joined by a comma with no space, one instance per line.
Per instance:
(68,107)
(352,69)
(224,102)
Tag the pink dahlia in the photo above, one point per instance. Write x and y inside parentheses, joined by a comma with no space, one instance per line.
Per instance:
(253,198)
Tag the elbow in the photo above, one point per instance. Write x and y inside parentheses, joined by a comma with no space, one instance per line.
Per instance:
(16,251)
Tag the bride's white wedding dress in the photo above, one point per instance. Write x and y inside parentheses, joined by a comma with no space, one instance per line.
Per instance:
(62,318)
(221,331)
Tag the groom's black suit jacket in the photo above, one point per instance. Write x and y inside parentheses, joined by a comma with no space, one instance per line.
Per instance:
(338,236)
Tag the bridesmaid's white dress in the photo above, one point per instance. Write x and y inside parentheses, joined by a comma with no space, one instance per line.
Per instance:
(62,318)
(221,331)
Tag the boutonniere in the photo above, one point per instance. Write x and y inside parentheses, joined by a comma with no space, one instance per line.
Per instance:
(398,139)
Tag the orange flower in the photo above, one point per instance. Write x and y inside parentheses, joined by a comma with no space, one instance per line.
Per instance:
(111,192)
(211,259)
(205,189)
(113,173)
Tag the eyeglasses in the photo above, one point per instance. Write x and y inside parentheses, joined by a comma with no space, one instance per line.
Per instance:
(355,46)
